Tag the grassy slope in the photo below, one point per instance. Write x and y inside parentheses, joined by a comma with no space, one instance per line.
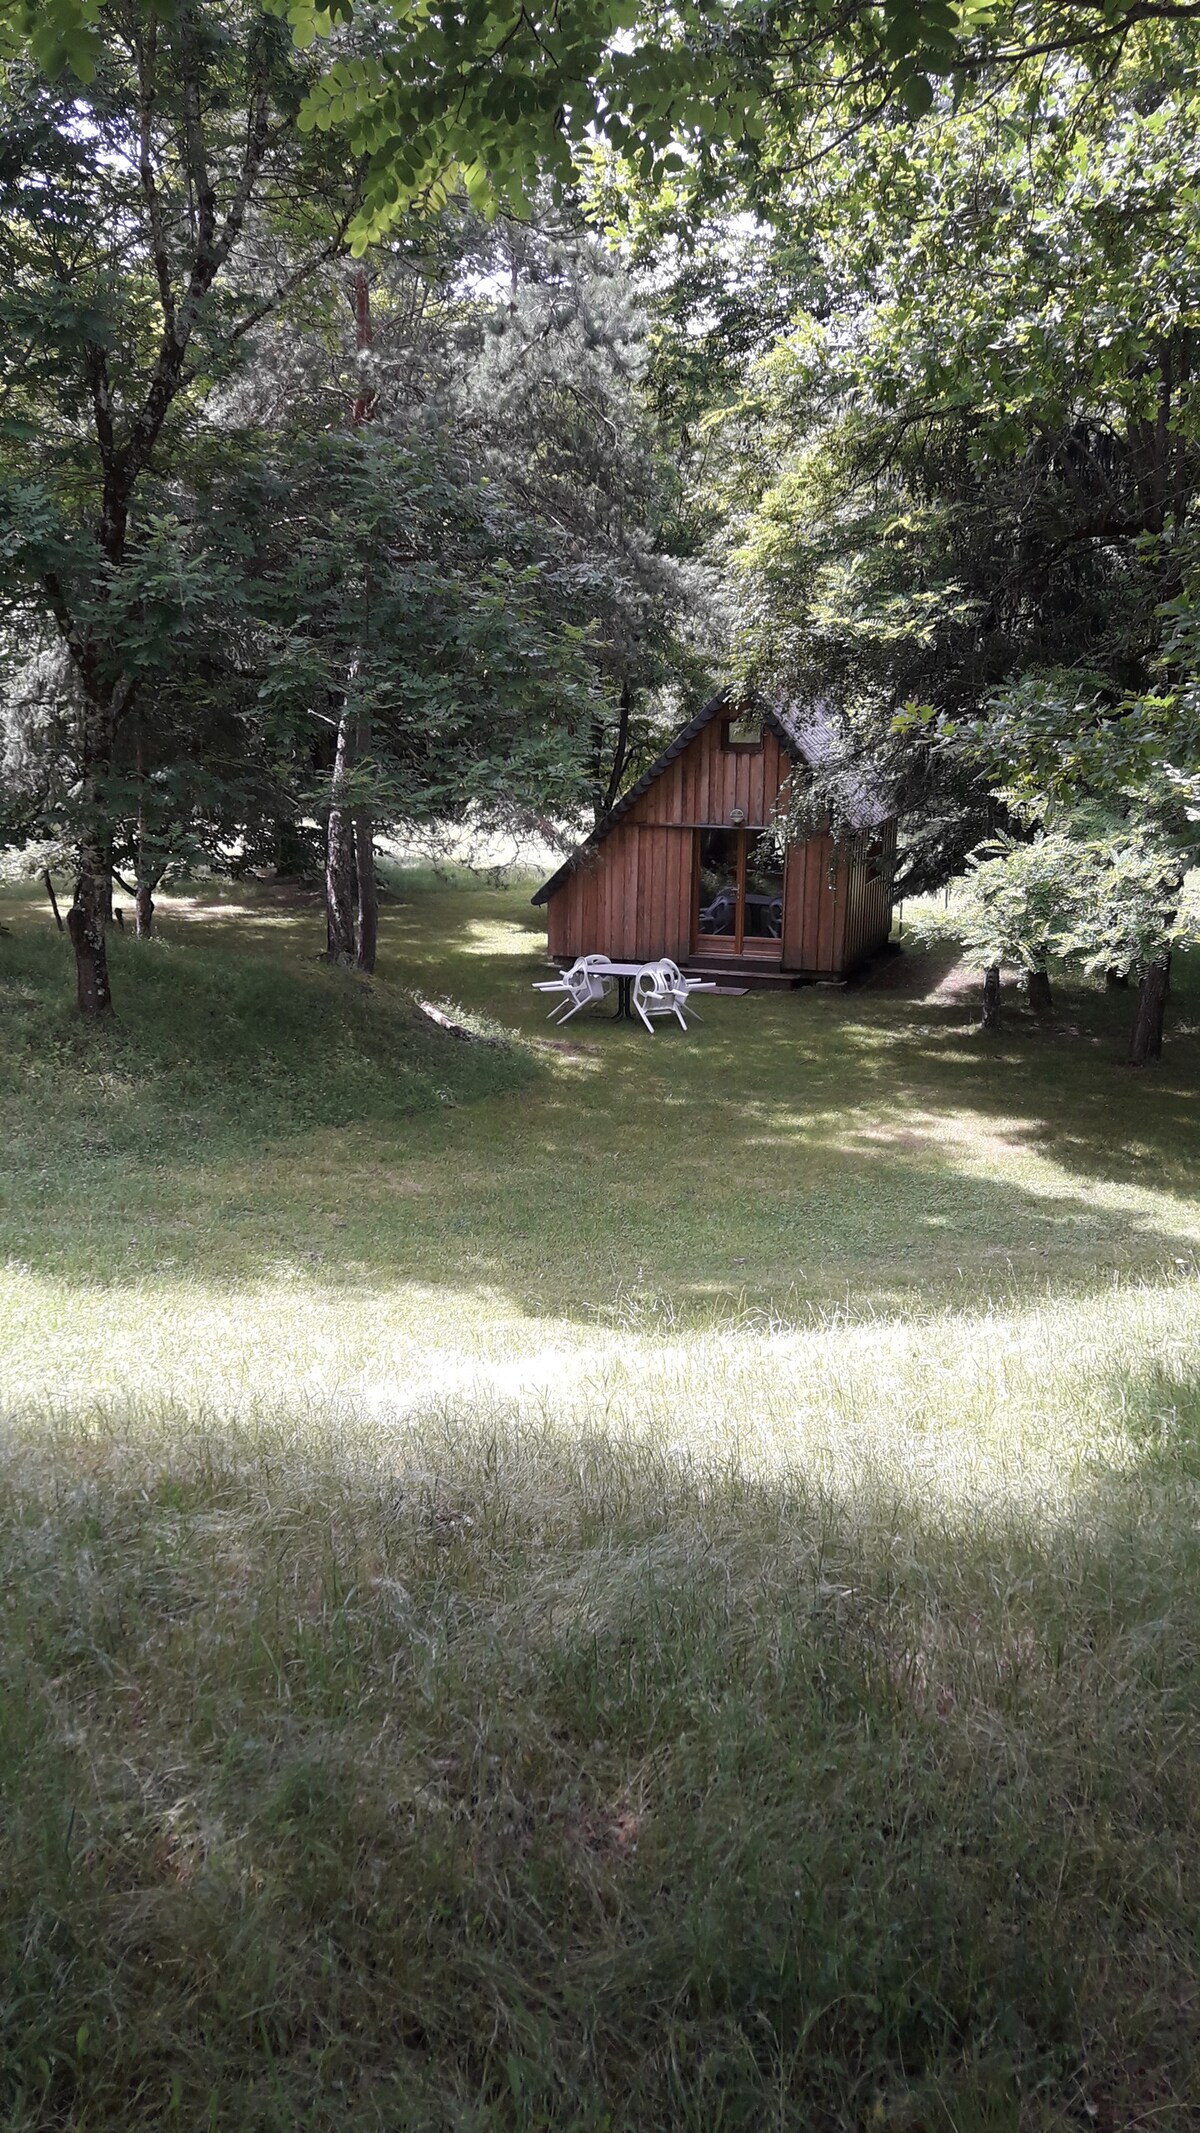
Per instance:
(663,1595)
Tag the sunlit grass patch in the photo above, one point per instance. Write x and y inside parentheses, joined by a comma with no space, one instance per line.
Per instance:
(217,1040)
(661,1592)
(746,1728)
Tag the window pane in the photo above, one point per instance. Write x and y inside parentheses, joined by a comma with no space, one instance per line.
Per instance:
(764,891)
(717,897)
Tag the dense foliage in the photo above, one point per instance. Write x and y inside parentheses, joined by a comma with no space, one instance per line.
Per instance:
(884,385)
(958,483)
(496,97)
(252,533)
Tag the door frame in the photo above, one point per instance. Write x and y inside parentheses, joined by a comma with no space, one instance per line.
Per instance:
(734,942)
(730,942)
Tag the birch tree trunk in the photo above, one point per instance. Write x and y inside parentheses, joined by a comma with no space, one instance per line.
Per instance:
(339,843)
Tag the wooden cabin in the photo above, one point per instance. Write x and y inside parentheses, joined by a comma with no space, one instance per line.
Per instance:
(681,866)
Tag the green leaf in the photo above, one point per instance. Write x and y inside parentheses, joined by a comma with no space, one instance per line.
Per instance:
(916,94)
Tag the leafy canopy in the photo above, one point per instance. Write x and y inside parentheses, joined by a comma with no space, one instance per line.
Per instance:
(495,96)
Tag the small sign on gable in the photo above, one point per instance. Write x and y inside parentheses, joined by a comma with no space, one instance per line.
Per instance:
(743,731)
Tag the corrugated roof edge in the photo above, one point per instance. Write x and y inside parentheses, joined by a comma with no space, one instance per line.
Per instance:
(810,735)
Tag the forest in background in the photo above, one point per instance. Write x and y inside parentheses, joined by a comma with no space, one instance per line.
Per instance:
(404,421)
(560,1579)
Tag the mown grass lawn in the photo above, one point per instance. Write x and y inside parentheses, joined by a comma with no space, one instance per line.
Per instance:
(599,1583)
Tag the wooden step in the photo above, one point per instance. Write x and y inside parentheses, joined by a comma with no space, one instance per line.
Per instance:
(755,973)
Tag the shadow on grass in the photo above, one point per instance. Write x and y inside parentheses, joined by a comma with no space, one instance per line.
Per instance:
(864,1148)
(497,1779)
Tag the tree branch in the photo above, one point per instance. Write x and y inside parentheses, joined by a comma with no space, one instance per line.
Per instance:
(146,56)
(211,252)
(96,368)
(293,281)
(80,649)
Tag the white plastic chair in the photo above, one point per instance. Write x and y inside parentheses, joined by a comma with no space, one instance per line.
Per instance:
(557,985)
(579,986)
(685,986)
(659,990)
(587,983)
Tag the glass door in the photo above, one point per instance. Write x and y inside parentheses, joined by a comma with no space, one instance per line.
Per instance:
(739,892)
(718,881)
(762,895)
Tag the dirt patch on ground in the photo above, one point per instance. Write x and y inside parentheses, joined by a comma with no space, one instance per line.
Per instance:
(956,984)
(565,1049)
(932,976)
(607,1833)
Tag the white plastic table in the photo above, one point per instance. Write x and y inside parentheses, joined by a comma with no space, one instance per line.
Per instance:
(625,973)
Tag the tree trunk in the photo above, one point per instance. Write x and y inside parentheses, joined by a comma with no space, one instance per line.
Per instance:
(91,910)
(358,740)
(991,997)
(85,924)
(339,887)
(364,335)
(143,895)
(53,898)
(620,748)
(365,887)
(1041,999)
(368,896)
(339,846)
(597,768)
(607,784)
(1147,1037)
(363,338)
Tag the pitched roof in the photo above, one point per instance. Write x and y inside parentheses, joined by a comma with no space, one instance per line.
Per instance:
(808,734)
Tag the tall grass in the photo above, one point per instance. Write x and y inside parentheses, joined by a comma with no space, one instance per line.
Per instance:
(759,1733)
(430,1700)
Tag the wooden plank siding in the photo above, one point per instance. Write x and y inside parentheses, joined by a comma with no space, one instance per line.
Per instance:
(808,907)
(704,784)
(630,899)
(632,896)
(867,866)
